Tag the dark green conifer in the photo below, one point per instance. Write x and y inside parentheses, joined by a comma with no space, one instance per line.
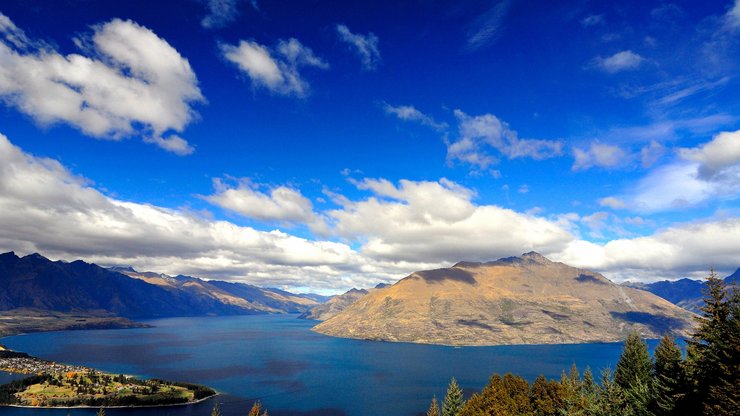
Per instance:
(713,355)
(669,378)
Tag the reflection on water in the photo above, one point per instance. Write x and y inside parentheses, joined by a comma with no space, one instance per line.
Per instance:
(293,371)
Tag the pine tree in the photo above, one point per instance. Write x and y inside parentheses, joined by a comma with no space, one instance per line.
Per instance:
(453,402)
(433,408)
(216,410)
(611,400)
(634,363)
(714,352)
(669,378)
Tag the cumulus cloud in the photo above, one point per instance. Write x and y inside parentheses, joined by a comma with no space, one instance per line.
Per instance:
(437,221)
(399,228)
(411,113)
(45,208)
(275,69)
(620,61)
(721,152)
(681,250)
(281,204)
(365,46)
(132,83)
(598,155)
(477,135)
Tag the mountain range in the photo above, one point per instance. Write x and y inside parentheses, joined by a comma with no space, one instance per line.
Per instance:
(686,293)
(515,300)
(38,283)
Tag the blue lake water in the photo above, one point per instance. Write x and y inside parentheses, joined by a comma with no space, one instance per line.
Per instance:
(293,371)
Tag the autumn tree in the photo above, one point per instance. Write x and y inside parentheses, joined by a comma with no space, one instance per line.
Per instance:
(257,410)
(433,408)
(546,397)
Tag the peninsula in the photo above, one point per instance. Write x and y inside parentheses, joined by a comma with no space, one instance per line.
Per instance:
(52,384)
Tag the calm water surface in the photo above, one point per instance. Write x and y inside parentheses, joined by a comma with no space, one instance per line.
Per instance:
(293,371)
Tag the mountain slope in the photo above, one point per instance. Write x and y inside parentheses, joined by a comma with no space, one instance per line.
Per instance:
(337,304)
(516,300)
(36,282)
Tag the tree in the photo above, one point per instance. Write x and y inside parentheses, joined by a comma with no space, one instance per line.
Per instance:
(257,410)
(713,355)
(633,374)
(433,408)
(669,378)
(611,400)
(453,402)
(546,397)
(101,412)
(503,396)
(216,410)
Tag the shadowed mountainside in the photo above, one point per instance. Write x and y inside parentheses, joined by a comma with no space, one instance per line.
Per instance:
(36,282)
(686,293)
(515,300)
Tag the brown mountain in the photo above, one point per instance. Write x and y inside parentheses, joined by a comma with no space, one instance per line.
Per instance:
(337,304)
(516,300)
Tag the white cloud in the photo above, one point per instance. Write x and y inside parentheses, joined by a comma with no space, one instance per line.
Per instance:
(411,113)
(401,227)
(277,70)
(133,83)
(677,251)
(651,153)
(45,208)
(612,202)
(598,155)
(282,204)
(732,18)
(620,61)
(365,46)
(478,134)
(721,152)
(437,221)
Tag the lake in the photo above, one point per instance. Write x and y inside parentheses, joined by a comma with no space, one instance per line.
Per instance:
(293,371)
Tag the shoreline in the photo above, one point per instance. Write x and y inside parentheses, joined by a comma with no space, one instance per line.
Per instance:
(112,407)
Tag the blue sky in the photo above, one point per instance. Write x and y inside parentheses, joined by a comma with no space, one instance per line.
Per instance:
(323,145)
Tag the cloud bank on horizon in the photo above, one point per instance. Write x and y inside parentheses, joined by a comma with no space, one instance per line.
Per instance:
(612,154)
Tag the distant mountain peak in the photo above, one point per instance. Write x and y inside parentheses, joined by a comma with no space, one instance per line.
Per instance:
(129,269)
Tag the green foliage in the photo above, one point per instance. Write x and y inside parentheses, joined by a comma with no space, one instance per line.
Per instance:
(433,408)
(216,410)
(634,375)
(453,402)
(669,377)
(713,357)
